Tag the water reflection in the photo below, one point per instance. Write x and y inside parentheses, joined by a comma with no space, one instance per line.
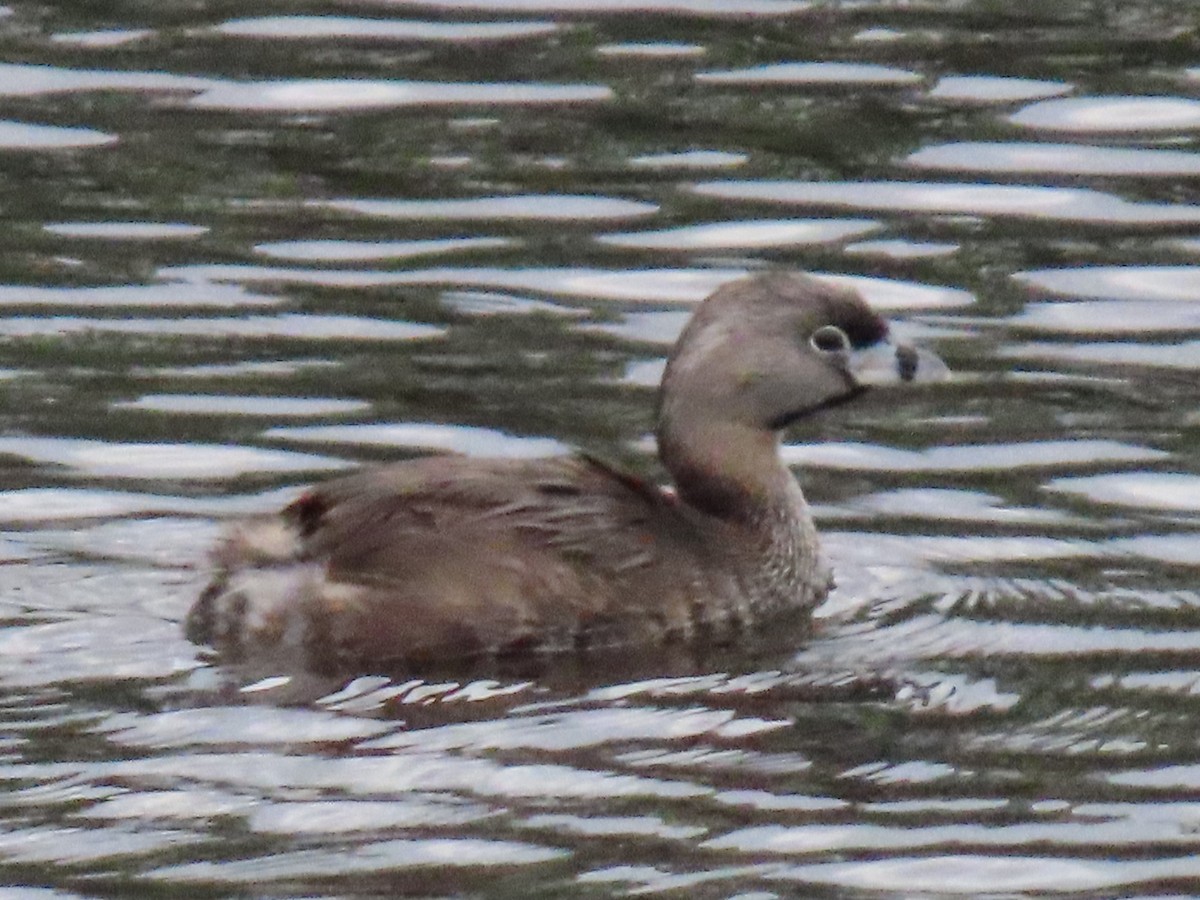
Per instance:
(1058,159)
(1141,283)
(17,80)
(703,8)
(26,136)
(127,231)
(533,208)
(818,73)
(1148,490)
(425,436)
(161,460)
(1074,205)
(112,37)
(134,296)
(691,159)
(652,50)
(337,95)
(987,89)
(333,27)
(967,457)
(359,251)
(744,235)
(239,405)
(286,325)
(1111,115)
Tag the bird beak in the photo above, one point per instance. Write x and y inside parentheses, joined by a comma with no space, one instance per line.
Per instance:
(889,363)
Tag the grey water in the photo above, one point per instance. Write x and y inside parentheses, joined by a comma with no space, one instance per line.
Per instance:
(246,246)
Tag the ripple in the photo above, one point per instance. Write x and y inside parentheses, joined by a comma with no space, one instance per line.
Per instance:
(272,368)
(1108,317)
(1175,683)
(180,805)
(657,285)
(725,9)
(1111,115)
(675,285)
(1185,355)
(231,725)
(22,136)
(652,49)
(347,94)
(491,303)
(156,541)
(614,826)
(326,817)
(644,879)
(357,251)
(901,249)
(293,326)
(690,159)
(746,234)
(765,801)
(44,504)
(465,439)
(33,505)
(381,856)
(1159,778)
(157,296)
(974,874)
(520,207)
(862,557)
(635,285)
(575,730)
(111,37)
(186,461)
(1173,549)
(946,504)
(1166,491)
(325,27)
(402,774)
(814,73)
(1056,159)
(968,457)
(127,231)
(67,846)
(98,648)
(933,637)
(1171,283)
(17,80)
(1018,201)
(813,839)
(987,89)
(242,405)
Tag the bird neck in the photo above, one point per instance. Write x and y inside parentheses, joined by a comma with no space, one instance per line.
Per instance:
(730,471)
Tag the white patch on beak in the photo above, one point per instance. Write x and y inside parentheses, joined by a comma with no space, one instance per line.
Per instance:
(888,363)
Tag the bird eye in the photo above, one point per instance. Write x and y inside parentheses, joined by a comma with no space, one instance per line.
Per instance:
(830,339)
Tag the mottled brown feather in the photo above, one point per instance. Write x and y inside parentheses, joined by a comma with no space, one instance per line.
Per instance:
(447,557)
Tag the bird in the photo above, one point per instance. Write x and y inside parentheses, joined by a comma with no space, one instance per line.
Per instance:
(434,560)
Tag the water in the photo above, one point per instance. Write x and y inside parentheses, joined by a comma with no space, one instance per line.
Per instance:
(245,248)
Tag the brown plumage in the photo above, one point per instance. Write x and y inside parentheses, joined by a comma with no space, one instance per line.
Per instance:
(447,557)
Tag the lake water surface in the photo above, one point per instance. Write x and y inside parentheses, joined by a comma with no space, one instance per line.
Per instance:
(244,246)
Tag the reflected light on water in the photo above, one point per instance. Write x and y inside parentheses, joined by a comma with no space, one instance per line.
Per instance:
(327,27)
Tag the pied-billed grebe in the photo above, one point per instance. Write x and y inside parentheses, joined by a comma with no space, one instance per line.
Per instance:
(440,558)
